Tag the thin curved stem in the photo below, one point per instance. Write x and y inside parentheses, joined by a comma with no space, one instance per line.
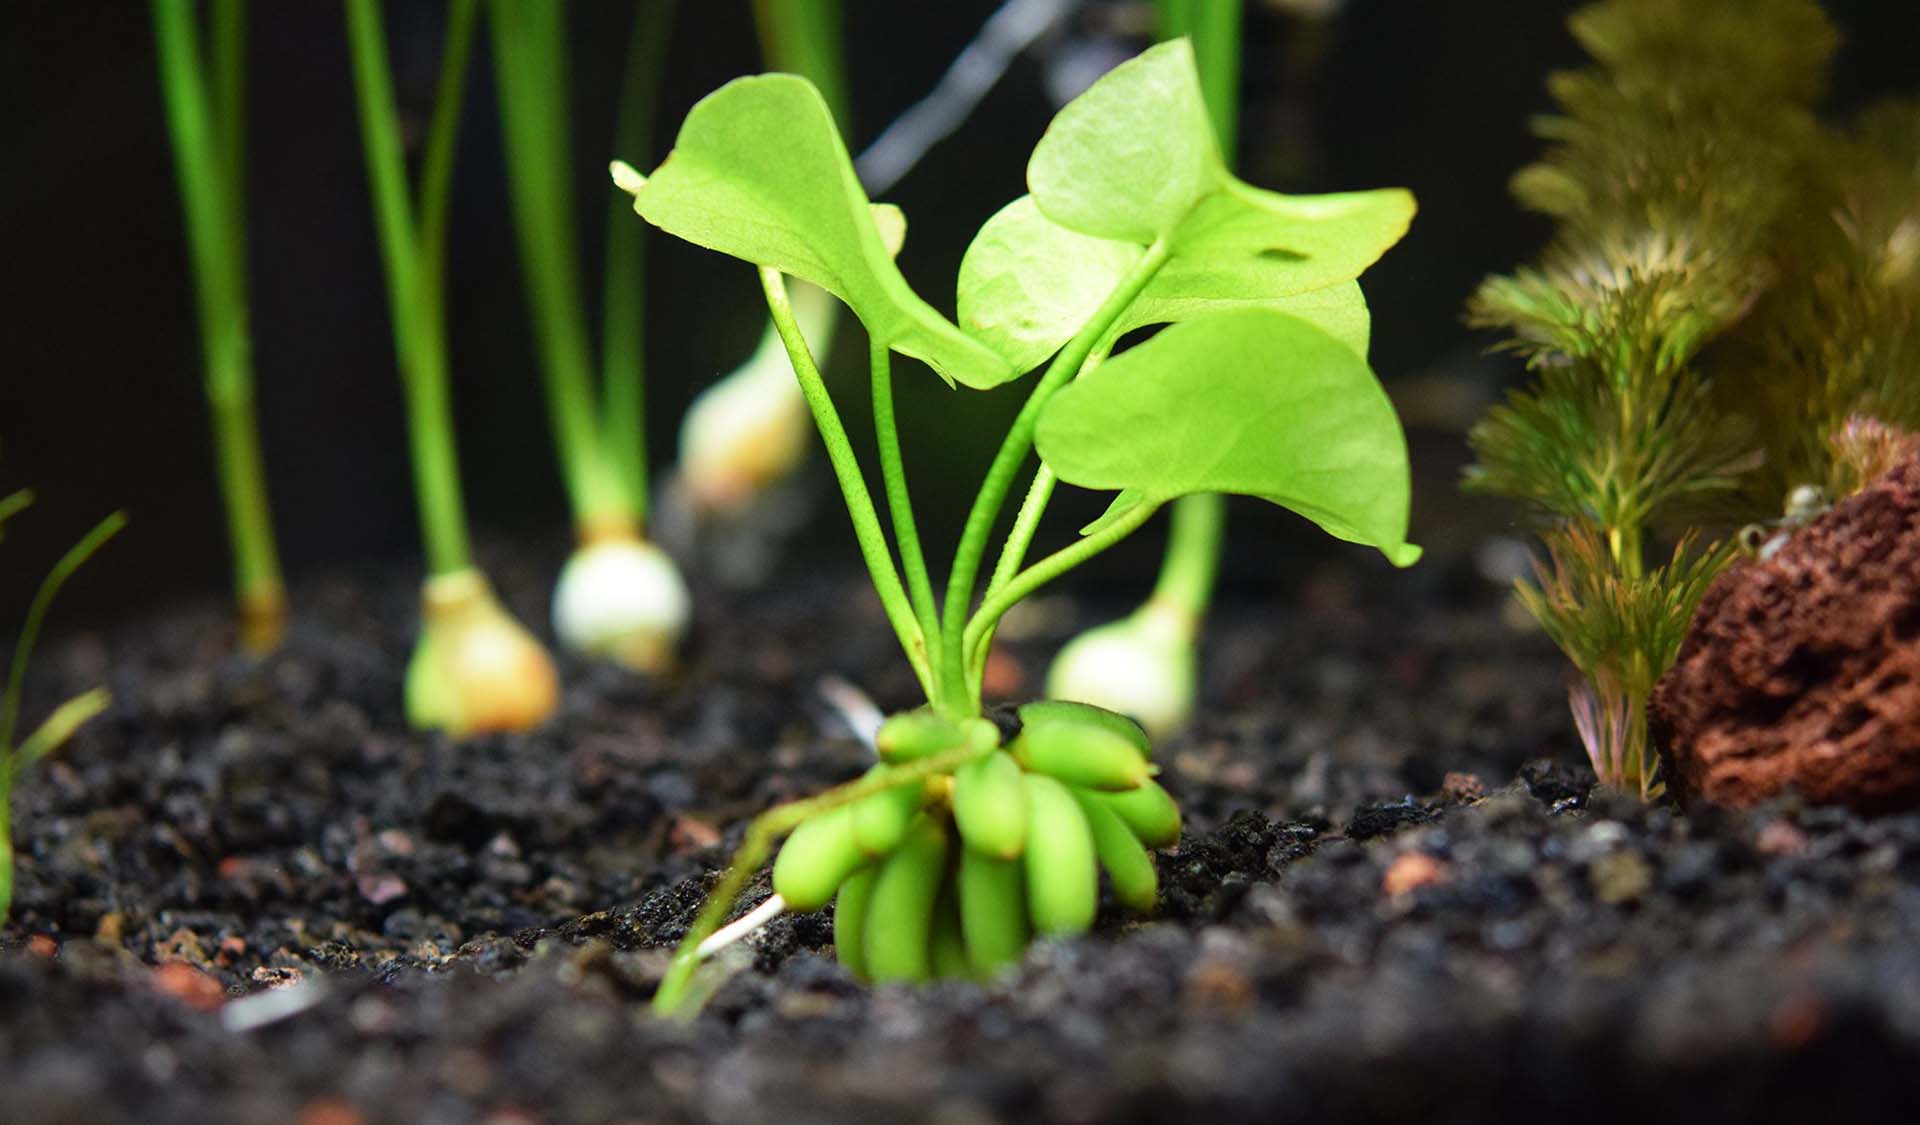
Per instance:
(853,486)
(955,696)
(893,475)
(1192,564)
(1026,522)
(980,625)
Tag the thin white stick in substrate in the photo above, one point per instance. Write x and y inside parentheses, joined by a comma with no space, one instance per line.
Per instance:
(742,926)
(1012,28)
(855,708)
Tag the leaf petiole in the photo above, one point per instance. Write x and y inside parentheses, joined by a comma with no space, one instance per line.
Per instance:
(874,550)
(955,694)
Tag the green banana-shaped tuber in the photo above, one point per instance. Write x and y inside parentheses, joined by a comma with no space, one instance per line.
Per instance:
(1063,883)
(880,821)
(990,805)
(947,946)
(1149,811)
(993,910)
(850,910)
(900,911)
(816,859)
(1086,755)
(1135,882)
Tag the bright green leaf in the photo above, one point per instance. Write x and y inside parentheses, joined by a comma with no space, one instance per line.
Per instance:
(759,172)
(1027,284)
(1338,310)
(1252,401)
(1131,156)
(1281,244)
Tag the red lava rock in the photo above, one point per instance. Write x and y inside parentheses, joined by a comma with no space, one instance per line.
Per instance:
(1461,788)
(1796,1020)
(379,887)
(1410,871)
(1780,839)
(328,1111)
(1004,675)
(189,985)
(688,834)
(1803,670)
(40,945)
(232,948)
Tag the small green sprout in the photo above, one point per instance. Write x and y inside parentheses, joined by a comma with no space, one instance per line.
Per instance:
(969,836)
(206,116)
(17,757)
(474,667)
(618,596)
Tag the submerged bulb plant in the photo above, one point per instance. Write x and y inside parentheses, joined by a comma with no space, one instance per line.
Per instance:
(1147,664)
(19,755)
(976,832)
(619,595)
(474,668)
(203,88)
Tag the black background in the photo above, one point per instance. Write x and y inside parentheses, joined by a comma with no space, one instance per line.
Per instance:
(100,405)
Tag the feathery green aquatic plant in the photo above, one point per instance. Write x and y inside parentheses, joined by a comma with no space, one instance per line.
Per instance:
(1670,168)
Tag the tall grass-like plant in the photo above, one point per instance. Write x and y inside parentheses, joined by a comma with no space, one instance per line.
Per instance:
(619,595)
(203,87)
(474,668)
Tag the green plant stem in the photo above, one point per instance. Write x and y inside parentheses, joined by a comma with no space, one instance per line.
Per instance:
(1026,522)
(1192,563)
(623,411)
(63,569)
(208,180)
(956,699)
(1198,532)
(846,469)
(768,827)
(227,29)
(529,45)
(980,625)
(893,475)
(419,319)
(803,37)
(435,194)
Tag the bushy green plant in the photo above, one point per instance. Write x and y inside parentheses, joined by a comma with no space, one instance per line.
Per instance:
(973,833)
(1725,317)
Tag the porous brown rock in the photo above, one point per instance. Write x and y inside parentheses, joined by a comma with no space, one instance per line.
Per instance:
(1802,670)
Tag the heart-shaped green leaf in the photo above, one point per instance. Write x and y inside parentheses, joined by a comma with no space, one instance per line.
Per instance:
(1028,284)
(1251,401)
(759,172)
(1130,156)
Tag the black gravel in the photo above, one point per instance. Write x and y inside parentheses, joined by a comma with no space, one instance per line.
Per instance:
(250,895)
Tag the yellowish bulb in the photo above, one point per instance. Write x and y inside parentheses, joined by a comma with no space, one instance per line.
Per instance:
(475,669)
(752,428)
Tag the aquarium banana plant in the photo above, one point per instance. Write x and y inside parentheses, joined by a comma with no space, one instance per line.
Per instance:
(619,595)
(18,756)
(474,668)
(976,831)
(1672,166)
(203,88)
(1146,664)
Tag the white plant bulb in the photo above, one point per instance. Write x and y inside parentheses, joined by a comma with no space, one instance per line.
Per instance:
(752,428)
(1142,665)
(622,597)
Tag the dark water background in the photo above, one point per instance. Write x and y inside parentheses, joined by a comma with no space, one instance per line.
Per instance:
(100,404)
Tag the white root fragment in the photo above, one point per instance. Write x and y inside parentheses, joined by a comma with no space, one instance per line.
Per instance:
(855,708)
(741,927)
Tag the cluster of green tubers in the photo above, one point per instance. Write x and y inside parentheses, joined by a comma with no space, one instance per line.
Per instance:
(952,875)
